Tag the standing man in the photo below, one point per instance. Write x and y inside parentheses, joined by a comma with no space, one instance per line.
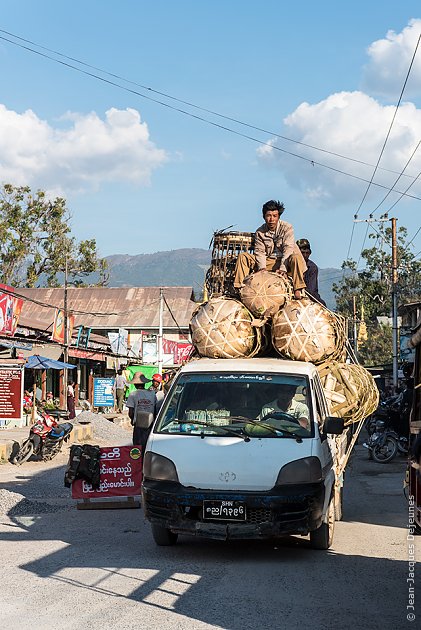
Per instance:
(311,276)
(157,388)
(274,250)
(142,409)
(120,387)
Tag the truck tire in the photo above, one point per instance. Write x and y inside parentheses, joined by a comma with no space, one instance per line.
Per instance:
(162,536)
(322,537)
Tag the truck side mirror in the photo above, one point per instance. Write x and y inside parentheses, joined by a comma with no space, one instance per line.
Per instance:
(333,425)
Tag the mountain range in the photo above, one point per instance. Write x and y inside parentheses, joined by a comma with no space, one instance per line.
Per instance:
(185,267)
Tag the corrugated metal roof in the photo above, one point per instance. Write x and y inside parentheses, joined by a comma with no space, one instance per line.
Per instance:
(107,308)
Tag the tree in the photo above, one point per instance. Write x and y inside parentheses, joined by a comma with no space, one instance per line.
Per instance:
(372,288)
(36,241)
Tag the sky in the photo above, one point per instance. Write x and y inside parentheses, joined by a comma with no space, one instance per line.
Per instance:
(166,121)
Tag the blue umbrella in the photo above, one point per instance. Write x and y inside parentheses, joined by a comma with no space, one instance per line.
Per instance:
(35,362)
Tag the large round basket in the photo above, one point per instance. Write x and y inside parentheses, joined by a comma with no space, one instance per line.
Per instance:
(350,390)
(264,293)
(222,329)
(307,331)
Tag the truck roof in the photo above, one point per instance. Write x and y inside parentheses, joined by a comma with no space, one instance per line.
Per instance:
(260,365)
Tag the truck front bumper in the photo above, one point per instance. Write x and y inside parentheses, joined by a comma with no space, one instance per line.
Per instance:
(295,509)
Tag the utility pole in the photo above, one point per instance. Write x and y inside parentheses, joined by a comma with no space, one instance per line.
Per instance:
(160,333)
(66,333)
(394,291)
(395,303)
(354,303)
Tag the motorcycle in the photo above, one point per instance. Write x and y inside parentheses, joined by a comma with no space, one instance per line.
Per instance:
(382,444)
(45,439)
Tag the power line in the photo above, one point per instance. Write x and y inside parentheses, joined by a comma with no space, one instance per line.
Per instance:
(391,125)
(209,122)
(184,102)
(383,147)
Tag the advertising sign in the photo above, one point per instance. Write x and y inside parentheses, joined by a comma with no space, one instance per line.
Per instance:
(149,348)
(103,392)
(120,474)
(10,309)
(11,393)
(58,326)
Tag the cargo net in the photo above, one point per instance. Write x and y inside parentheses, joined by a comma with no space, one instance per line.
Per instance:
(226,248)
(350,390)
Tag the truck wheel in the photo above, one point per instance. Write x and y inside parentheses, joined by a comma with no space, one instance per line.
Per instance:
(322,537)
(162,536)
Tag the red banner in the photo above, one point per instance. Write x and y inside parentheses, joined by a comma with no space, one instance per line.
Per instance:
(179,350)
(121,474)
(10,309)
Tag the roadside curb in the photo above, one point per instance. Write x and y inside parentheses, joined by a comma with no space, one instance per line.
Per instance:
(80,433)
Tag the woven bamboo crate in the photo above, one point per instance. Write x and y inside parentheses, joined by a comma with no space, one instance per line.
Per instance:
(307,331)
(265,292)
(224,328)
(350,390)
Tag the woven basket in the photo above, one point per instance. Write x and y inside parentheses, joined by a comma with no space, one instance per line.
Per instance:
(264,293)
(224,329)
(350,390)
(307,331)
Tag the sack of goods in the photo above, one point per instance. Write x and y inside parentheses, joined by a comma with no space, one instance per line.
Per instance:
(265,292)
(307,331)
(225,329)
(350,390)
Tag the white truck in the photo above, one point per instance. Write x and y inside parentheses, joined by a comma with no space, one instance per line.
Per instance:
(226,461)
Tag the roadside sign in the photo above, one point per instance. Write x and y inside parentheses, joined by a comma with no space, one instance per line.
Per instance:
(103,392)
(120,475)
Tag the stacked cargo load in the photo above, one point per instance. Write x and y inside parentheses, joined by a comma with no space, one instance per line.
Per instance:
(262,319)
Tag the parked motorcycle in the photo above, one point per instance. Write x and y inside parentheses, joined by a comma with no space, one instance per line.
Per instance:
(382,444)
(45,439)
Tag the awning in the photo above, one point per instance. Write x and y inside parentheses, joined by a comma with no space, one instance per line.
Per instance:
(35,362)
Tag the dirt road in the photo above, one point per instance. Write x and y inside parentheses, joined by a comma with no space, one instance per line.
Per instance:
(68,569)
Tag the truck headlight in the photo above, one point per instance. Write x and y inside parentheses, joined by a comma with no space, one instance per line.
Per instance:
(158,467)
(306,470)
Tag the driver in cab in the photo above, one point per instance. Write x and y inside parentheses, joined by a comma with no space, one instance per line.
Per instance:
(286,403)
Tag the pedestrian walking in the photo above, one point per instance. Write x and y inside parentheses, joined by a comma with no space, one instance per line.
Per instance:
(71,400)
(157,388)
(120,385)
(142,409)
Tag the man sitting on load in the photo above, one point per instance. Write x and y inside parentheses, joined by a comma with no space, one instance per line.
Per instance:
(275,250)
(285,402)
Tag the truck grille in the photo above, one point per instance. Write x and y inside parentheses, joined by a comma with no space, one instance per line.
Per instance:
(258,515)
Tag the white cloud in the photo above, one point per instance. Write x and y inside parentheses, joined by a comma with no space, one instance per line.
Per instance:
(389,62)
(351,124)
(80,154)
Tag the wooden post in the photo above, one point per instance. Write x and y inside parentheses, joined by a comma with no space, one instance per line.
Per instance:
(44,385)
(63,394)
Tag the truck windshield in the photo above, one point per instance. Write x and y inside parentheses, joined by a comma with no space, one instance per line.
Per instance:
(253,405)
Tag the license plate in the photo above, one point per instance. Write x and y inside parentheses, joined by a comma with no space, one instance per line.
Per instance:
(224,510)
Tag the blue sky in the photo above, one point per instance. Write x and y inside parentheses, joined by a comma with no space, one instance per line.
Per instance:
(140,177)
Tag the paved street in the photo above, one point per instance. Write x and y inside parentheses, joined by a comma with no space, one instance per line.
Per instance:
(68,569)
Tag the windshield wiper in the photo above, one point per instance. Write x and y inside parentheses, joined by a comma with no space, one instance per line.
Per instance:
(232,432)
(258,424)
